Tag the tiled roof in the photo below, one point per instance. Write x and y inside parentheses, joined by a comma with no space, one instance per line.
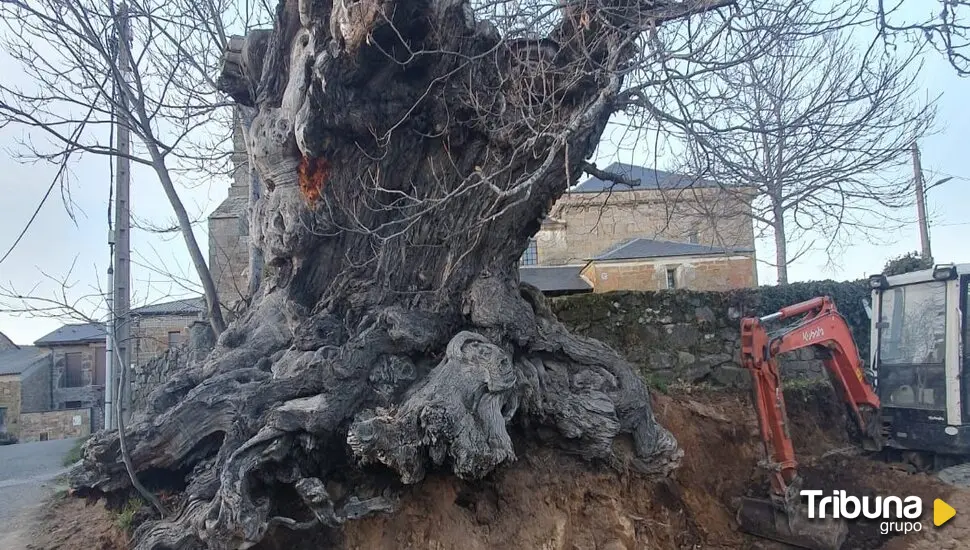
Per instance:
(649,178)
(85,332)
(187,306)
(21,359)
(650,248)
(555,278)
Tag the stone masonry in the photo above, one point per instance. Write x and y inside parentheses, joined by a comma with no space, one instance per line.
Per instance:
(86,394)
(40,426)
(695,272)
(584,225)
(151,374)
(10,400)
(153,334)
(694,337)
(25,392)
(229,230)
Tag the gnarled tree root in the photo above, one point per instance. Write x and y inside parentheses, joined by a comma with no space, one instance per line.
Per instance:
(258,449)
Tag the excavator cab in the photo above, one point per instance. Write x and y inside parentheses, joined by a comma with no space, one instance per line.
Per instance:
(920,361)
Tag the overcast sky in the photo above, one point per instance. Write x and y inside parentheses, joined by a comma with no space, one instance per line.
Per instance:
(55,242)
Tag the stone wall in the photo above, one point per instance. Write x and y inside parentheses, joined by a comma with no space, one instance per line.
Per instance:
(152,335)
(584,225)
(35,386)
(691,272)
(694,336)
(39,426)
(151,374)
(229,229)
(87,395)
(10,400)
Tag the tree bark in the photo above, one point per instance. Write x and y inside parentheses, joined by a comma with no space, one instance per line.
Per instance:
(408,152)
(781,246)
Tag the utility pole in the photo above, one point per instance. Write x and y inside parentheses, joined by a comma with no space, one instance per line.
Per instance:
(122,266)
(924,231)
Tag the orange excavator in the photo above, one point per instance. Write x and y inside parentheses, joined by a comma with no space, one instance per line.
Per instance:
(818,325)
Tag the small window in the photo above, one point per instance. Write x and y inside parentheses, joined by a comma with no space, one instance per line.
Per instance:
(671,277)
(73,370)
(3,419)
(174,339)
(531,254)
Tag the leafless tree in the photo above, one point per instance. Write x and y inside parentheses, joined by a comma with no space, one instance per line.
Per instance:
(813,128)
(941,23)
(408,152)
(76,90)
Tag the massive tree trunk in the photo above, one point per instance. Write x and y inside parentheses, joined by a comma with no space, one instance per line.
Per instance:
(409,150)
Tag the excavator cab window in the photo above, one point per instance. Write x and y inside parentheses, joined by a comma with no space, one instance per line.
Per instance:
(912,346)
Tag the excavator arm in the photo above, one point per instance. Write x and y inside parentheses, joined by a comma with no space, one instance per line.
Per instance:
(820,325)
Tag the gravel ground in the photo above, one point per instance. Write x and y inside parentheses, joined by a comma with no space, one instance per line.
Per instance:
(27,477)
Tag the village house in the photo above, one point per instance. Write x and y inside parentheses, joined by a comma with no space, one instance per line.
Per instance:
(668,231)
(56,388)
(24,385)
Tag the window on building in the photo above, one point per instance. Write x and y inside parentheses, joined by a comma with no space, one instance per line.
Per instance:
(671,277)
(174,339)
(99,365)
(3,419)
(72,370)
(531,254)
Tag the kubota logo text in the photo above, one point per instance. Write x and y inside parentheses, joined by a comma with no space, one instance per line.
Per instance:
(813,334)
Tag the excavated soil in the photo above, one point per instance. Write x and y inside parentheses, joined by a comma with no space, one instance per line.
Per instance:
(550,501)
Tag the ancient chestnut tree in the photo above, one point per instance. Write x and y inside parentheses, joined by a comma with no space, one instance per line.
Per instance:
(408,149)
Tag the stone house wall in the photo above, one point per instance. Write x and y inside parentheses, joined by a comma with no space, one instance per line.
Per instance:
(87,395)
(152,335)
(693,272)
(40,426)
(229,229)
(155,372)
(35,386)
(581,226)
(10,400)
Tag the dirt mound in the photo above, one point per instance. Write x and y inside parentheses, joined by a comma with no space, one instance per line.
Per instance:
(75,524)
(550,501)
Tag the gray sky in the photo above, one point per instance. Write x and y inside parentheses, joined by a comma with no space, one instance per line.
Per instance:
(55,242)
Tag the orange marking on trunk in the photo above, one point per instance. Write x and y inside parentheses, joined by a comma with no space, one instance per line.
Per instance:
(313,175)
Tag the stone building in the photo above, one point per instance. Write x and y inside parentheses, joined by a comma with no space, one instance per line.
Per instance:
(229,231)
(25,385)
(77,368)
(159,327)
(76,360)
(669,231)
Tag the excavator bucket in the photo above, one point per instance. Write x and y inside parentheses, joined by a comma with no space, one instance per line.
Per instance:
(763,518)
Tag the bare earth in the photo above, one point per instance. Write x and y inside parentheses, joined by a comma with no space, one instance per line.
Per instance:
(554,502)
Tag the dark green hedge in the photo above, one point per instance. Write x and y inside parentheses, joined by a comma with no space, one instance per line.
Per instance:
(599,314)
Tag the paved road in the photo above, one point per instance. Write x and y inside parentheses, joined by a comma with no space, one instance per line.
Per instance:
(27,472)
